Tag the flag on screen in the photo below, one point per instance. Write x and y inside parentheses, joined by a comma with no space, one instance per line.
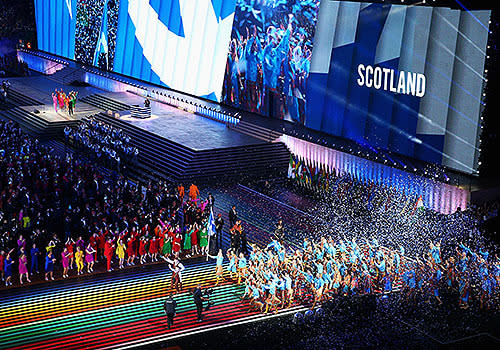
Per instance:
(102,44)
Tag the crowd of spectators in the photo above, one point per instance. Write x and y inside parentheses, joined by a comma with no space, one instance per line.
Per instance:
(10,65)
(17,19)
(65,210)
(107,144)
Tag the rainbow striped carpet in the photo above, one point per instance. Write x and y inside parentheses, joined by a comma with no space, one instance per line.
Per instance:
(116,311)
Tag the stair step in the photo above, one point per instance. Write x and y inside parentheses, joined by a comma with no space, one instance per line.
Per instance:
(160,157)
(256,131)
(34,124)
(105,103)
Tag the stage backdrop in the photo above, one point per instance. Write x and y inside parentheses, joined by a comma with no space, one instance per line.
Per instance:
(180,44)
(405,78)
(408,79)
(55,26)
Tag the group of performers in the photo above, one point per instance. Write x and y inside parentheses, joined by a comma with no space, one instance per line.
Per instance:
(277,276)
(167,240)
(64,102)
(108,144)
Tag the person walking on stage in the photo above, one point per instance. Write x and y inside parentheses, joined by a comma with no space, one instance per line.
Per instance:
(54,100)
(176,267)
(233,216)
(79,260)
(279,232)
(218,267)
(8,268)
(70,104)
(49,266)
(169,307)
(198,301)
(34,259)
(23,268)
(193,193)
(109,252)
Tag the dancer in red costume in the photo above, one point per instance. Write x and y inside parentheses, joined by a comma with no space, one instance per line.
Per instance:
(108,252)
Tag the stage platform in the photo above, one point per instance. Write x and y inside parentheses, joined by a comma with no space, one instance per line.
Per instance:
(188,129)
(173,143)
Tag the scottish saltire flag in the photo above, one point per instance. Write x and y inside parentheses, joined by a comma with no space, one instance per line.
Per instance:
(102,44)
(181,44)
(211,223)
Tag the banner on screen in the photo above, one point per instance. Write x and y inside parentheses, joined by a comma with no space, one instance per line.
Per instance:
(408,79)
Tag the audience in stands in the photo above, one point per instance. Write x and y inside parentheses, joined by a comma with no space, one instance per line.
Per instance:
(57,212)
(108,144)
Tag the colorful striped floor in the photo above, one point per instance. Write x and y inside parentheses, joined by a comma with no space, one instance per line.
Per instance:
(123,310)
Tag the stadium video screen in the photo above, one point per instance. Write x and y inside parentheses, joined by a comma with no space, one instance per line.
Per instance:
(405,78)
(408,79)
(180,44)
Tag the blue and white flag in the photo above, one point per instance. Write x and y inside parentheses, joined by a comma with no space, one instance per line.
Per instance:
(102,44)
(211,223)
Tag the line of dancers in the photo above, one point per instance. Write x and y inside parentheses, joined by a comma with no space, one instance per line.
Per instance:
(125,248)
(64,102)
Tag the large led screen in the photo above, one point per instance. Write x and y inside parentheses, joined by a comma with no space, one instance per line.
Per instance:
(181,44)
(56,26)
(408,79)
(269,57)
(405,78)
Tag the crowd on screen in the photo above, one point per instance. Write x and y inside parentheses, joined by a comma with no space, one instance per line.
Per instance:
(269,58)
(106,143)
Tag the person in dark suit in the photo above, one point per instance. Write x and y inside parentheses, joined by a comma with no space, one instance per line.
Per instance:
(219,224)
(279,232)
(198,301)
(211,201)
(233,216)
(169,306)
